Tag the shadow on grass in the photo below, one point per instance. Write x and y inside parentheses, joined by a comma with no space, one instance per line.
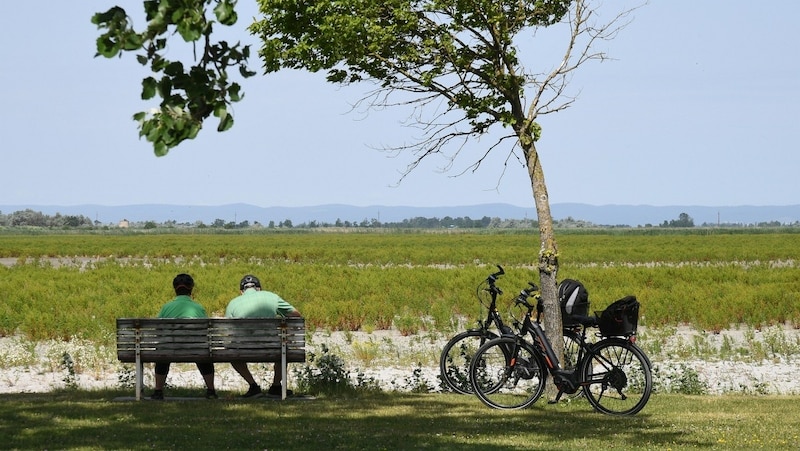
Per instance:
(92,420)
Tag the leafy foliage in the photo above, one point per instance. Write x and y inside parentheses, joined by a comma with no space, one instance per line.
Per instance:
(327,374)
(462,54)
(188,95)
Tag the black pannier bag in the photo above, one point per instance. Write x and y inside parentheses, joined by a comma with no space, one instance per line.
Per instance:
(620,319)
(574,300)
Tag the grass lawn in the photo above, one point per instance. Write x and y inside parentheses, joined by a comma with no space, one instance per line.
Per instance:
(94,420)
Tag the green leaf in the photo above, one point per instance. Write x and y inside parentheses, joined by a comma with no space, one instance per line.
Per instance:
(112,15)
(233,92)
(225,13)
(225,123)
(132,41)
(160,149)
(107,46)
(149,85)
(174,68)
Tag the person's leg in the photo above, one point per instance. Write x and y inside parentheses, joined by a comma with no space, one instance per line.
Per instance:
(244,371)
(207,370)
(278,374)
(275,389)
(161,371)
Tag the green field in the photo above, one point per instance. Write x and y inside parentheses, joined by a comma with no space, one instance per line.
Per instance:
(62,286)
(73,286)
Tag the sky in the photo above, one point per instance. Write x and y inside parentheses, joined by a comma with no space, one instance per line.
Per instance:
(699,106)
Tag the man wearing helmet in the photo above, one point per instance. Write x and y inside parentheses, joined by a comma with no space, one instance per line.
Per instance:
(183,306)
(253,302)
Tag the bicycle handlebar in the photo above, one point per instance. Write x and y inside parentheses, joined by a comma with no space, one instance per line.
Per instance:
(493,277)
(522,299)
(493,289)
(525,294)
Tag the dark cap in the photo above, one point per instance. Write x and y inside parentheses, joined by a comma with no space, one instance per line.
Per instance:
(249,281)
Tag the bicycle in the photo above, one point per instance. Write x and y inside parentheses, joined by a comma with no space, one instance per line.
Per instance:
(614,374)
(458,353)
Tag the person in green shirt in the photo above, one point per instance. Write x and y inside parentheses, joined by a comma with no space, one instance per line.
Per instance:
(183,306)
(253,302)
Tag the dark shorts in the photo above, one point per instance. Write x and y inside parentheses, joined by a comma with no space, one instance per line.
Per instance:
(162,368)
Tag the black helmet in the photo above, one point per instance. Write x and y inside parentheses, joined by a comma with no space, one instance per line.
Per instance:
(183,280)
(249,281)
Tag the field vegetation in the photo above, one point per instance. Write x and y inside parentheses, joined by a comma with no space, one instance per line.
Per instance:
(76,285)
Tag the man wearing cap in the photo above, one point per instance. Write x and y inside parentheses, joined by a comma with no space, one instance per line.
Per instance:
(253,302)
(183,306)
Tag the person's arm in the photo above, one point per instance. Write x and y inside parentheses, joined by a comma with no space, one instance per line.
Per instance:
(294,313)
(286,309)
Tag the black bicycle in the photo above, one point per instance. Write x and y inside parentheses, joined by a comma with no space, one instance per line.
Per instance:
(614,374)
(458,353)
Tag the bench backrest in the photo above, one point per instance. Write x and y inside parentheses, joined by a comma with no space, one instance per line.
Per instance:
(210,339)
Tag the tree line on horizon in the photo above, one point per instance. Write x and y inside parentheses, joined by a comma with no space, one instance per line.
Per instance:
(32,218)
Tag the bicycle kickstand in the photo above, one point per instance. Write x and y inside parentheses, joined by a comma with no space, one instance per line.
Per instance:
(557,398)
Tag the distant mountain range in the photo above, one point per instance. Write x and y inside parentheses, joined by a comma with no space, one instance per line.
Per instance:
(631,215)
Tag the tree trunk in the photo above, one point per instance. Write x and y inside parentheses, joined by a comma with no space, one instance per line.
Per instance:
(548,258)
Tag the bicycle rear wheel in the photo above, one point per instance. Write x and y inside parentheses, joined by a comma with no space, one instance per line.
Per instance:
(456,357)
(507,375)
(617,377)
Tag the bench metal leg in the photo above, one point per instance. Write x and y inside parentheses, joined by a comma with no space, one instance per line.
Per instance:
(139,372)
(284,345)
(284,380)
(139,378)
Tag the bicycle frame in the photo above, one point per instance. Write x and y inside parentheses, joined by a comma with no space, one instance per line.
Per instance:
(567,381)
(493,317)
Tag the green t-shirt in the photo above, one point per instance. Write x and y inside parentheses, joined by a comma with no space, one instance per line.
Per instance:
(182,307)
(258,304)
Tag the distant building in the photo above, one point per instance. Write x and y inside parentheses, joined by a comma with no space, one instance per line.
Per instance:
(124,224)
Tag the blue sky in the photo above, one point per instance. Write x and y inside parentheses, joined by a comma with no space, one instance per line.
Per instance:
(699,107)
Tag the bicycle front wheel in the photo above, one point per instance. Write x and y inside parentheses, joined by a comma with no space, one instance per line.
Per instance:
(456,357)
(507,373)
(617,377)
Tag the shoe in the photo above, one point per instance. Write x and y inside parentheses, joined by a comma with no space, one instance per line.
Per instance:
(158,395)
(254,392)
(211,394)
(275,390)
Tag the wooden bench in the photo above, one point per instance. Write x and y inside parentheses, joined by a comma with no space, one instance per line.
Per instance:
(215,340)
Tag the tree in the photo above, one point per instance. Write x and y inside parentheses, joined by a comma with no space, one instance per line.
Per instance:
(460,65)
(684,220)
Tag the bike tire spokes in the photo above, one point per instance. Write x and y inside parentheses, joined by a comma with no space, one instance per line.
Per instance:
(504,381)
(617,378)
(456,358)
